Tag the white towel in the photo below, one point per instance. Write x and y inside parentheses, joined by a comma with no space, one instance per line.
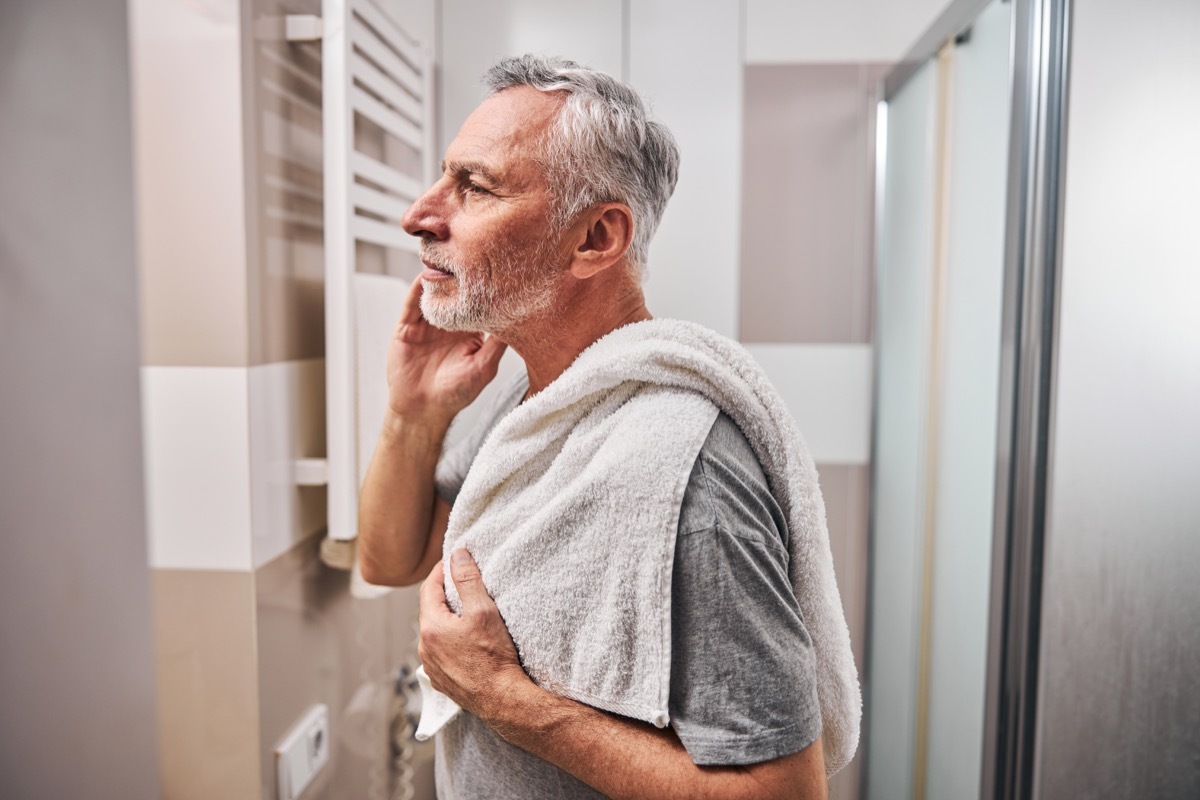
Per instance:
(572,505)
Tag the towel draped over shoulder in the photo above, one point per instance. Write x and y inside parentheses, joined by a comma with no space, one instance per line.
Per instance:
(571,509)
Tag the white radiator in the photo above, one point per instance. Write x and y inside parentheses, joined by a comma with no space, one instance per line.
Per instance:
(379,149)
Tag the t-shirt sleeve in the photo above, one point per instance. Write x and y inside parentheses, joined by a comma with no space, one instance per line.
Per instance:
(456,460)
(743,679)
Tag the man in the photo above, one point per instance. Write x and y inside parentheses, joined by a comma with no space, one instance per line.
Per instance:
(536,234)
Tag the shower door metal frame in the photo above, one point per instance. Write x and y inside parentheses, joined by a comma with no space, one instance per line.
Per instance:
(1033,257)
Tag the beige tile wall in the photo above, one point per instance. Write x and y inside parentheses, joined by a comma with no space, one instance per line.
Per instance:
(208,717)
(228,124)
(846,491)
(807,202)
(191,203)
(319,644)
(281,91)
(806,272)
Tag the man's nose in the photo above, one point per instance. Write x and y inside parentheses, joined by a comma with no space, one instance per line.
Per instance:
(425,218)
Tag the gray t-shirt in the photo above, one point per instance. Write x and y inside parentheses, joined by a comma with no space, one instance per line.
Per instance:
(743,681)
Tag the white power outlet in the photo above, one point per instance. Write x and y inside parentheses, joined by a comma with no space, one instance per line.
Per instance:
(302,753)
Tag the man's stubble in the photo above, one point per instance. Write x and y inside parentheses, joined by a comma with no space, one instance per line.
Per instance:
(507,287)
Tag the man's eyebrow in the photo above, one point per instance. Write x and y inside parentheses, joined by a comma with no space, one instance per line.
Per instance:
(470,168)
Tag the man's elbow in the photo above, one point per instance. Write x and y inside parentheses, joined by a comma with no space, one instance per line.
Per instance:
(799,776)
(379,574)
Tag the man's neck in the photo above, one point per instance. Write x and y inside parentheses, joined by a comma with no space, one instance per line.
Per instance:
(584,314)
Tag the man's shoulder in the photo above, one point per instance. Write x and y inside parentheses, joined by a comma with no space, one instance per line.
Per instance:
(728,490)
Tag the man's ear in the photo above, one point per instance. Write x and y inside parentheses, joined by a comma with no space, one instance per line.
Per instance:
(603,241)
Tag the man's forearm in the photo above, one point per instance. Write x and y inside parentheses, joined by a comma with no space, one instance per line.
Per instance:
(626,758)
(397,504)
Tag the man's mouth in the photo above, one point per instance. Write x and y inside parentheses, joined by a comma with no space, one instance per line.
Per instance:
(434,271)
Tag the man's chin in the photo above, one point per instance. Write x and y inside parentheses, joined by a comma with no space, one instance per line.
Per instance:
(443,315)
(455,325)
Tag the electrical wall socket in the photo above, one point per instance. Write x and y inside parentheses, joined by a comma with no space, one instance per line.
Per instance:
(302,753)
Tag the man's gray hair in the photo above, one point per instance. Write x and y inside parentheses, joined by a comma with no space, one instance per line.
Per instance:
(602,148)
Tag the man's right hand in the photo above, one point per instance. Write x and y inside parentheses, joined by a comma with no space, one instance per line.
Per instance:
(433,374)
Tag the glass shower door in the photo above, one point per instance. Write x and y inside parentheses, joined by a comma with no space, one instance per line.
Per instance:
(940,291)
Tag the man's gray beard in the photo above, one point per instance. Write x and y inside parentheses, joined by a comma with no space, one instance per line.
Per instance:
(477,305)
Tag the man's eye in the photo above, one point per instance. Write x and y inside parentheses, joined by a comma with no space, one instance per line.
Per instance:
(470,187)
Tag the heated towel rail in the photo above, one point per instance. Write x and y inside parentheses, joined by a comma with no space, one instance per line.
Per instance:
(379,145)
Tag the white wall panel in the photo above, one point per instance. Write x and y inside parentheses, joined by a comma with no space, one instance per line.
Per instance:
(478,33)
(689,65)
(417,17)
(196,424)
(820,31)
(828,390)
(287,422)
(694,83)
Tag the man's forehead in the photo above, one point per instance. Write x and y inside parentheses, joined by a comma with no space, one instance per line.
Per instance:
(502,132)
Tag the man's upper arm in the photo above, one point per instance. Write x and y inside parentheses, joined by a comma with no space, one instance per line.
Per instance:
(743,675)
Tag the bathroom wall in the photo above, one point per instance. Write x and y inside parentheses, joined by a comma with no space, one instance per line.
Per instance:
(252,629)
(684,77)
(76,654)
(806,261)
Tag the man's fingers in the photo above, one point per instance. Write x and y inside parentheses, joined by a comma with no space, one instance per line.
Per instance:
(467,578)
(410,312)
(433,593)
(469,581)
